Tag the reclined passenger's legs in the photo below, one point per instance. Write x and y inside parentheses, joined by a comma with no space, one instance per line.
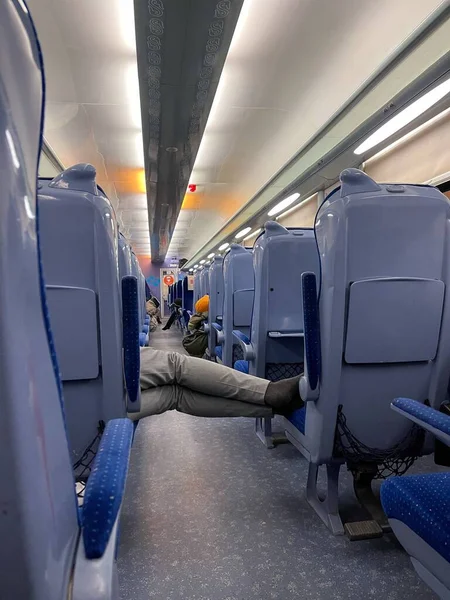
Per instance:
(159,399)
(201,388)
(160,368)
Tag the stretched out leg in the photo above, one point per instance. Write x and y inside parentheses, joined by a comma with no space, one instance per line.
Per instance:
(171,320)
(159,399)
(191,385)
(160,368)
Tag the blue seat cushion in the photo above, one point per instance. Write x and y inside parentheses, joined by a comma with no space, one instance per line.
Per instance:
(142,339)
(298,419)
(106,486)
(422,503)
(218,351)
(242,366)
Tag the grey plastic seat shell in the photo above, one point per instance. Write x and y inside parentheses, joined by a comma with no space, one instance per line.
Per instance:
(394,239)
(238,280)
(216,294)
(137,272)
(79,245)
(38,523)
(280,256)
(125,266)
(204,282)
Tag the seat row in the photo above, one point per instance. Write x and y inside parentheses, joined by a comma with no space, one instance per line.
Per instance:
(69,352)
(358,306)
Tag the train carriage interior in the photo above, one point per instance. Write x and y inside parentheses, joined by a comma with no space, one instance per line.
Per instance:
(204,201)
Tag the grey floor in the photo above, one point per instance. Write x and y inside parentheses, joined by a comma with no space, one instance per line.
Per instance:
(210,514)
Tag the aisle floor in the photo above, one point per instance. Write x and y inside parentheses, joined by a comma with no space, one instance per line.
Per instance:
(210,514)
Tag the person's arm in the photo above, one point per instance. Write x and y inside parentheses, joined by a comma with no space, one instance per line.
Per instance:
(195,322)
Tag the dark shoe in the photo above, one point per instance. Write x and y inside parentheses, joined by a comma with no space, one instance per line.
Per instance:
(165,328)
(284,395)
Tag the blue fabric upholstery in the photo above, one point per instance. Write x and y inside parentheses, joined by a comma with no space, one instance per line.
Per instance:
(312,328)
(219,352)
(145,328)
(298,418)
(131,336)
(429,415)
(241,336)
(422,502)
(142,339)
(106,486)
(242,366)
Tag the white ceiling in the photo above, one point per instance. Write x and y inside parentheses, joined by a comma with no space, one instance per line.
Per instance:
(292,64)
(92,109)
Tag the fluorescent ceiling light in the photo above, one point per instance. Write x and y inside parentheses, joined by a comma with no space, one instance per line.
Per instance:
(405,116)
(224,246)
(253,233)
(195,266)
(296,207)
(243,232)
(211,255)
(408,136)
(190,270)
(283,204)
(202,262)
(209,262)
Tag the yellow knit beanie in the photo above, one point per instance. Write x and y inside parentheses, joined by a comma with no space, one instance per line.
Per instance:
(202,305)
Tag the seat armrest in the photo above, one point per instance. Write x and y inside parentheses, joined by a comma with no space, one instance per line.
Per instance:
(310,381)
(131,342)
(245,344)
(219,333)
(106,486)
(430,419)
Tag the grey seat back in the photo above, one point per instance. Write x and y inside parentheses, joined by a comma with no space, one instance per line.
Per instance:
(280,256)
(79,243)
(125,267)
(38,522)
(384,314)
(137,272)
(238,279)
(204,282)
(216,292)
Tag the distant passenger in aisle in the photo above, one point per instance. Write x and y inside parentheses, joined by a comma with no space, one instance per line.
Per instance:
(172,381)
(201,314)
(196,341)
(175,307)
(152,308)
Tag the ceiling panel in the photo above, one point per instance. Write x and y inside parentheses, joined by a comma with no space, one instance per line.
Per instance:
(92,111)
(291,65)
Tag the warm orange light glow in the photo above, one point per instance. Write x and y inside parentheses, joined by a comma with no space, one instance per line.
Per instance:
(129,181)
(190,201)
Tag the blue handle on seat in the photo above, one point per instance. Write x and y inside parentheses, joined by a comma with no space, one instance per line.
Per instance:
(430,419)
(313,353)
(131,342)
(106,486)
(245,343)
(241,336)
(216,326)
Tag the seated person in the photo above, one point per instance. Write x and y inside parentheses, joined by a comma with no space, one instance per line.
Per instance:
(152,309)
(173,381)
(201,314)
(196,340)
(175,307)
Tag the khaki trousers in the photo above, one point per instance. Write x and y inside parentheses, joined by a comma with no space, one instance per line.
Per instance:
(172,381)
